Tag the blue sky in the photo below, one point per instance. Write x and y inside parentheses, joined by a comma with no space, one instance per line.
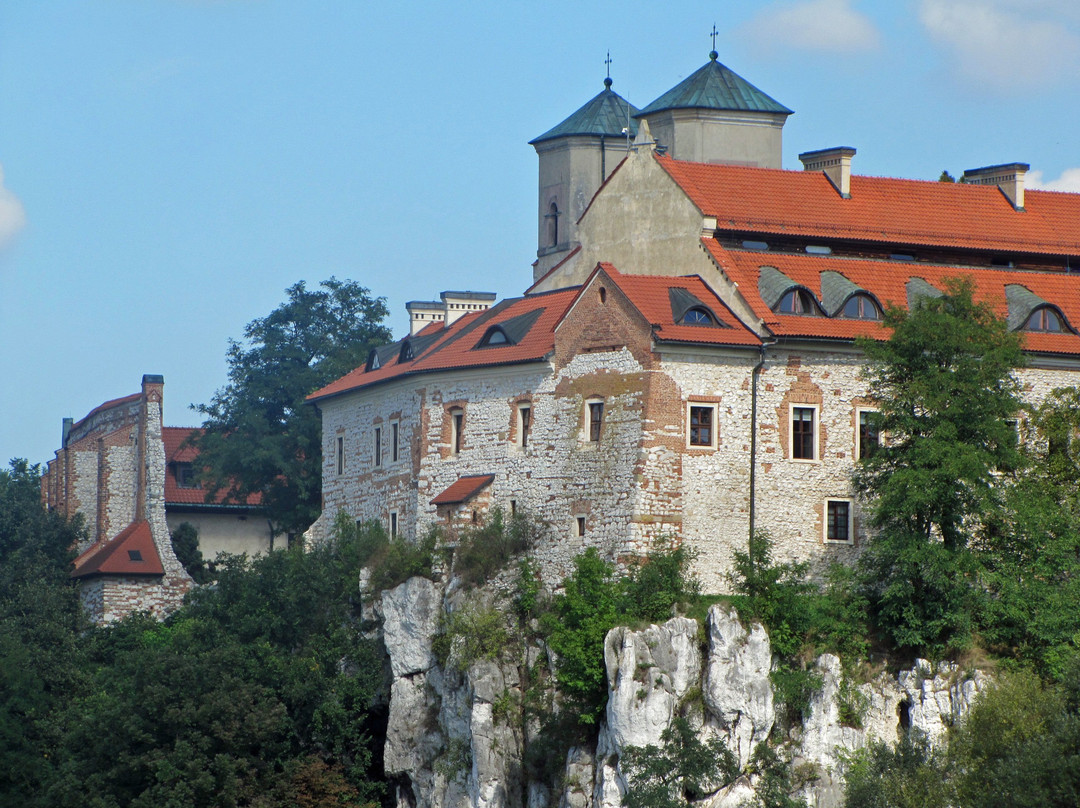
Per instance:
(169,168)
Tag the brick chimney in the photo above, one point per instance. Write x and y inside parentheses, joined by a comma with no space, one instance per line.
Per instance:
(1009,178)
(835,163)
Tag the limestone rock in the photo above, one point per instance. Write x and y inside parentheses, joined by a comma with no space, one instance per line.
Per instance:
(410,613)
(737,688)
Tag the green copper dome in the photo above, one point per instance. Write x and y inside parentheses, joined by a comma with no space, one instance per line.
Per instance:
(603,116)
(714,86)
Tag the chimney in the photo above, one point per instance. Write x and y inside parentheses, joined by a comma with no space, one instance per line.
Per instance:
(423,313)
(1009,179)
(65,431)
(835,163)
(458,303)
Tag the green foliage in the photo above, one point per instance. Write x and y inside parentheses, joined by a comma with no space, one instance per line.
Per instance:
(260,436)
(852,704)
(911,775)
(483,551)
(390,561)
(469,634)
(185,543)
(840,616)
(40,621)
(683,769)
(777,779)
(660,582)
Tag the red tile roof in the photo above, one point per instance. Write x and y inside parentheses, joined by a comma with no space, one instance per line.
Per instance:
(116,402)
(880,209)
(650,294)
(463,489)
(176,452)
(129,552)
(887,281)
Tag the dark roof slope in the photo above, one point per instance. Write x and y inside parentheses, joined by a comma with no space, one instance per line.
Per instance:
(605,114)
(715,86)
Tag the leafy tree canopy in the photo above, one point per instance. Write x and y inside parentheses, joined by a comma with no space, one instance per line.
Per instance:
(260,437)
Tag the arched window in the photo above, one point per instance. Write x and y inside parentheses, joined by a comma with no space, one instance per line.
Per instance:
(861,307)
(697,316)
(796,301)
(494,336)
(1045,318)
(553,224)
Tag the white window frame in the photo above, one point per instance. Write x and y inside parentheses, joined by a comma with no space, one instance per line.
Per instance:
(586,434)
(817,433)
(850,521)
(711,405)
(580,527)
(457,429)
(858,431)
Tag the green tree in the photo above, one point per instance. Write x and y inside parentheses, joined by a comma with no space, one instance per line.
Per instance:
(682,770)
(259,435)
(40,624)
(910,775)
(945,386)
(185,543)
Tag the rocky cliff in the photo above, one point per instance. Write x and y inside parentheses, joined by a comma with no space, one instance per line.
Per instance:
(457,738)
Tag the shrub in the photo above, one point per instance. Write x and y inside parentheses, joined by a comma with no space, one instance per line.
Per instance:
(185,543)
(469,634)
(483,551)
(659,582)
(684,769)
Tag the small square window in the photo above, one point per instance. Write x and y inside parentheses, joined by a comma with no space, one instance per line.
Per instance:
(702,425)
(869,434)
(134,555)
(838,522)
(803,433)
(596,420)
(185,476)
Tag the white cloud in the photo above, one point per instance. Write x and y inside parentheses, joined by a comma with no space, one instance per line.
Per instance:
(1005,44)
(1068,181)
(816,25)
(12,215)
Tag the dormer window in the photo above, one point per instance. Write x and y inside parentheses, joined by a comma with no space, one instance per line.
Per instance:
(1045,319)
(494,336)
(373,361)
(185,476)
(406,354)
(861,307)
(697,316)
(796,301)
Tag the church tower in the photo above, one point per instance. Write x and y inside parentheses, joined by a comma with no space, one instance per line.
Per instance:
(716,116)
(575,158)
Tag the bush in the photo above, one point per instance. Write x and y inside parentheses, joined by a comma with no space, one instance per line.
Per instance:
(658,583)
(185,543)
(684,769)
(469,634)
(483,551)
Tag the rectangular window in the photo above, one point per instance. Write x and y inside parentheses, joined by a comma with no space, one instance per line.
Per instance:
(393,524)
(596,420)
(580,526)
(802,433)
(340,455)
(869,435)
(838,526)
(394,442)
(185,476)
(524,423)
(457,429)
(513,507)
(378,446)
(702,429)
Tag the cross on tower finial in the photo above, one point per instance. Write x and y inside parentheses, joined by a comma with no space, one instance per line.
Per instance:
(714,33)
(607,61)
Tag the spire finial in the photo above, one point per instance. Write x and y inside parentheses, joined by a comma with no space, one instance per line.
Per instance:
(607,61)
(713,54)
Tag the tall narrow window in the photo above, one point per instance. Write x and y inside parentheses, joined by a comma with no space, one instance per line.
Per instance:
(701,425)
(802,433)
(596,420)
(580,525)
(394,442)
(838,520)
(524,423)
(869,436)
(340,455)
(553,224)
(457,429)
(393,524)
(378,446)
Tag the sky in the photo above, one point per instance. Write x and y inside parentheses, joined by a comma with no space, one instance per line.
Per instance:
(169,167)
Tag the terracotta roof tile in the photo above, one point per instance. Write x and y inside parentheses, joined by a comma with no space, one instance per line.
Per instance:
(129,552)
(887,282)
(464,488)
(176,453)
(880,209)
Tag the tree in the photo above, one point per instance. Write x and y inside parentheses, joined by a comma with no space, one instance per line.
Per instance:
(947,395)
(260,436)
(683,770)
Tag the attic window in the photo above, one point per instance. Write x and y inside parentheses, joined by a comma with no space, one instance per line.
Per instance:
(406,352)
(494,336)
(796,301)
(818,249)
(861,307)
(697,316)
(1045,319)
(759,246)
(185,476)
(901,257)
(373,361)
(135,555)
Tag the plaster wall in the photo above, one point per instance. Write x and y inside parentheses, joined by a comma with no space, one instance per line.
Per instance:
(707,136)
(224,532)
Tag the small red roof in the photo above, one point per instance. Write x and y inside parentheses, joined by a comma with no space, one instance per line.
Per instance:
(176,452)
(463,489)
(880,209)
(129,552)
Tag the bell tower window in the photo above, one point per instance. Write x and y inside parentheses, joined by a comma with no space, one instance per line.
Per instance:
(552,218)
